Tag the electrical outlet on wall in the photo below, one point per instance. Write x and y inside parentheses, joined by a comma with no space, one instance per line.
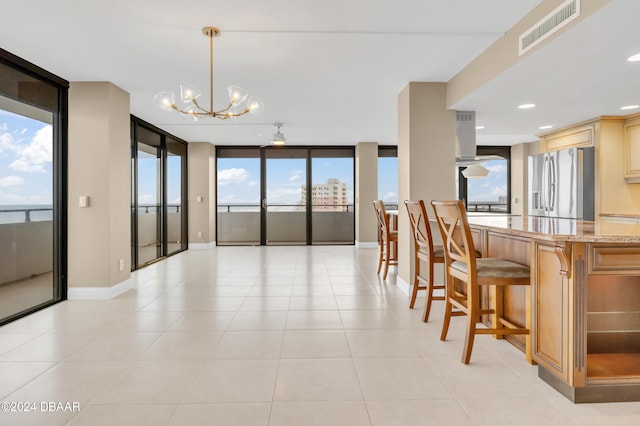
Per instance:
(199,234)
(121,264)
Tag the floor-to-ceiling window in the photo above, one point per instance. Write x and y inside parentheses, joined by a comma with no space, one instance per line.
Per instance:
(158,203)
(176,187)
(388,176)
(489,194)
(332,196)
(290,195)
(33,141)
(238,196)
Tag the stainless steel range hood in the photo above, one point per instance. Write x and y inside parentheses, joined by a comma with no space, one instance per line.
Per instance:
(466,140)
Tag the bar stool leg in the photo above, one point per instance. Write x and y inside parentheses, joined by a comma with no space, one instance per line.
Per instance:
(416,282)
(429,290)
(448,307)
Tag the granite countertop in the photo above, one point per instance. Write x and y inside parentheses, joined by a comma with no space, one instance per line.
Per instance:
(554,229)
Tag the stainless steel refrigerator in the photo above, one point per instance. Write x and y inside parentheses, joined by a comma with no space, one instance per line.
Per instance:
(561,184)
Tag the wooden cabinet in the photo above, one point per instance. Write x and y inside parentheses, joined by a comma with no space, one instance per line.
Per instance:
(550,312)
(632,150)
(579,136)
(583,305)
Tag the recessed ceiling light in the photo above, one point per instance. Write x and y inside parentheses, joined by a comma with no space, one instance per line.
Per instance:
(546,127)
(634,58)
(526,106)
(629,107)
(479,127)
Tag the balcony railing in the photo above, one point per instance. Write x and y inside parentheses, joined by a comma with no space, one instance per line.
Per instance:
(487,206)
(237,208)
(240,223)
(155,208)
(25,214)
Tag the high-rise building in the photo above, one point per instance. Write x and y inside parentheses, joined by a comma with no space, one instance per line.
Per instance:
(330,196)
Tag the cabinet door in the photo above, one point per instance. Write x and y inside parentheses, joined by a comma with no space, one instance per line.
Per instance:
(551,334)
(632,151)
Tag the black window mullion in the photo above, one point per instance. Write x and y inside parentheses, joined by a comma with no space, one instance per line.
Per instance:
(309,198)
(263,196)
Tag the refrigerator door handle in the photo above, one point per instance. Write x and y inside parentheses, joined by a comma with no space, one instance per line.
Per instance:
(552,184)
(545,184)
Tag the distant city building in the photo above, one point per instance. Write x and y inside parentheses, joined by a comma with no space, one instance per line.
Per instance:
(328,197)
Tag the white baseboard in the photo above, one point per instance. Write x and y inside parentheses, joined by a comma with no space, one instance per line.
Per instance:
(202,246)
(407,289)
(366,245)
(99,293)
(404,286)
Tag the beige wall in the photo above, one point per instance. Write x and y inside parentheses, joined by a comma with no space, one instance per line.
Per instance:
(366,191)
(202,183)
(426,157)
(503,54)
(99,167)
(520,175)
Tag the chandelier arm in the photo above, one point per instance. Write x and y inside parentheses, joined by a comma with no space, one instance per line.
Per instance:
(205,113)
(236,114)
(195,102)
(224,110)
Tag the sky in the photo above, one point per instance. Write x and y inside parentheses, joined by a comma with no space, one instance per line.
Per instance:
(388,179)
(25,161)
(148,170)
(493,186)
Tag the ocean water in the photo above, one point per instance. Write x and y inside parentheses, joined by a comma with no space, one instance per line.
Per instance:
(17,213)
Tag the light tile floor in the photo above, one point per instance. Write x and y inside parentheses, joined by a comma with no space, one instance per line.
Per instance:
(269,336)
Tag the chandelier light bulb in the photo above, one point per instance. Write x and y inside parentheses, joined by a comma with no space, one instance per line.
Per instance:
(165,100)
(188,93)
(255,105)
(237,95)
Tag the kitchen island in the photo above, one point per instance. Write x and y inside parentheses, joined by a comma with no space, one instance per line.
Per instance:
(583,307)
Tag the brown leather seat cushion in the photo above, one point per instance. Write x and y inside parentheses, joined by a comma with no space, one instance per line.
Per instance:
(491,267)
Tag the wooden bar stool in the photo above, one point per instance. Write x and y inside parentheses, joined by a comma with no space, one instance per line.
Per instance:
(388,240)
(423,250)
(461,264)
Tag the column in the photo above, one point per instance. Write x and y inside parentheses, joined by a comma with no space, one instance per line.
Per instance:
(426,160)
(366,191)
(99,253)
(202,195)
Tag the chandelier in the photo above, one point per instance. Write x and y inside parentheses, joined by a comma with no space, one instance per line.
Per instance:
(189,95)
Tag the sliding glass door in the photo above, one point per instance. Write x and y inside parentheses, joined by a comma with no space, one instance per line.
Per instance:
(276,196)
(158,204)
(332,207)
(238,196)
(285,201)
(176,187)
(33,141)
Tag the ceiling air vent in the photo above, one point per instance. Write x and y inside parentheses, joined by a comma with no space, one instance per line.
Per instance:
(558,18)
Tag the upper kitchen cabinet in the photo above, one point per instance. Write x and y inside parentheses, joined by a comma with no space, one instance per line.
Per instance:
(617,159)
(578,136)
(632,149)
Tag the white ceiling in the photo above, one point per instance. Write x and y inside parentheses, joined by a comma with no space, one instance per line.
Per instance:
(330,71)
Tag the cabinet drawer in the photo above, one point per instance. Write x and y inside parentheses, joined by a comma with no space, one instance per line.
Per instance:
(622,259)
